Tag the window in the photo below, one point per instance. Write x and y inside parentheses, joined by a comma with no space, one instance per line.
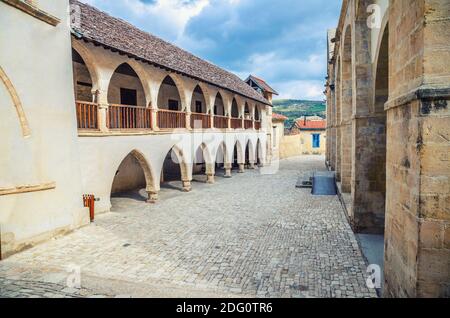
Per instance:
(173,105)
(198,107)
(128,97)
(316,140)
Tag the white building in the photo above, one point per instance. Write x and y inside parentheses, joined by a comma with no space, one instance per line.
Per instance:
(97,106)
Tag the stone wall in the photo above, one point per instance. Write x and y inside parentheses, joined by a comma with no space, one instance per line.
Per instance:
(396,78)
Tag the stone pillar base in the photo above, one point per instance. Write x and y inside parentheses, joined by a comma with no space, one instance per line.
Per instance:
(227,173)
(210,179)
(187,187)
(252,166)
(152,197)
(241,168)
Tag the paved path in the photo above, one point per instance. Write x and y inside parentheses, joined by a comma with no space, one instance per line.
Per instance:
(252,235)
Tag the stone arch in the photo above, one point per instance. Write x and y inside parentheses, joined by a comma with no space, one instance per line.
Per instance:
(235,113)
(250,152)
(26,132)
(238,153)
(247,113)
(124,78)
(206,153)
(381,71)
(221,154)
(177,157)
(172,89)
(200,100)
(145,80)
(257,114)
(123,180)
(82,78)
(259,152)
(89,61)
(219,105)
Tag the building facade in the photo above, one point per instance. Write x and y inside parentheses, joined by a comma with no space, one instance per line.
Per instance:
(101,107)
(312,135)
(278,129)
(388,90)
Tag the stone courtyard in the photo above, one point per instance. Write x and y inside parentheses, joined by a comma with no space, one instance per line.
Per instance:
(253,235)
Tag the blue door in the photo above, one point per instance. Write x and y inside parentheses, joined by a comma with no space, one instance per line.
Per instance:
(316,140)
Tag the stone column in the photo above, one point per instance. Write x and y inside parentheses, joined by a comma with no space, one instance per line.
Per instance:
(187,186)
(154,122)
(188,119)
(252,165)
(102,101)
(210,173)
(241,167)
(152,196)
(228,168)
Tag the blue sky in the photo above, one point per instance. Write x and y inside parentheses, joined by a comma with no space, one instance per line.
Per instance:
(282,41)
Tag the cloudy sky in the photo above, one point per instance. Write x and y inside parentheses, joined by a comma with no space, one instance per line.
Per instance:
(282,41)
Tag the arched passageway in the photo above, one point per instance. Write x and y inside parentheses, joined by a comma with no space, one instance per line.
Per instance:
(379,122)
(249,155)
(259,153)
(236,122)
(82,79)
(174,174)
(219,107)
(125,87)
(199,110)
(133,178)
(170,106)
(204,167)
(247,114)
(87,115)
(169,95)
(220,115)
(238,158)
(221,161)
(127,101)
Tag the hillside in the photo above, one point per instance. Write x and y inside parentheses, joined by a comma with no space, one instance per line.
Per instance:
(294,109)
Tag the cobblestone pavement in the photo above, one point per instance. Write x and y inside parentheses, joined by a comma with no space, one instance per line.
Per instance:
(250,236)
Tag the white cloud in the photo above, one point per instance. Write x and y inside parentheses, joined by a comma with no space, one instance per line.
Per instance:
(291,77)
(309,90)
(166,17)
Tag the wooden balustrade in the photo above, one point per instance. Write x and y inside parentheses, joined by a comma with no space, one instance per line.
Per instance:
(257,125)
(169,119)
(203,119)
(87,115)
(221,122)
(129,117)
(236,123)
(248,124)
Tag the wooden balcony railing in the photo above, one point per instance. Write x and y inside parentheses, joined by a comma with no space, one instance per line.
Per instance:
(236,123)
(87,115)
(258,125)
(169,119)
(248,124)
(220,122)
(129,117)
(203,119)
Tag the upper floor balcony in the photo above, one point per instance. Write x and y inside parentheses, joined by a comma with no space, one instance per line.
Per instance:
(124,96)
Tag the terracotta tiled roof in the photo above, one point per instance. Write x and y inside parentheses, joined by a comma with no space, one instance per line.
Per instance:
(113,33)
(311,124)
(279,117)
(262,84)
